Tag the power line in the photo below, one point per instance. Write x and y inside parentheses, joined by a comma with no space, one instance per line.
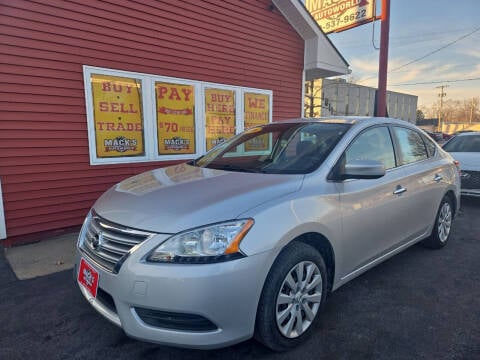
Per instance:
(435,34)
(437,50)
(428,54)
(436,82)
(365,44)
(452,67)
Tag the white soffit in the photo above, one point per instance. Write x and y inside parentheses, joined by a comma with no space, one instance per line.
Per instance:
(321,58)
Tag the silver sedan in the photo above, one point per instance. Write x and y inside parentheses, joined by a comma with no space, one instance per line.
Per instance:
(249,239)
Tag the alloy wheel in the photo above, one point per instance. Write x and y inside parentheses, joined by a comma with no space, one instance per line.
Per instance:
(299,299)
(444,222)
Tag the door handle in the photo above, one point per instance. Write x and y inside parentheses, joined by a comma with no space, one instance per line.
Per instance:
(399,190)
(438,178)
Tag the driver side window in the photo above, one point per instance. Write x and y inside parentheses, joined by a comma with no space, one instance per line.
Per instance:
(373,144)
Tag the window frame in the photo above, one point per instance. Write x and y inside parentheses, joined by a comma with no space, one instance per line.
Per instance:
(91,131)
(149,113)
(427,141)
(398,146)
(154,121)
(392,140)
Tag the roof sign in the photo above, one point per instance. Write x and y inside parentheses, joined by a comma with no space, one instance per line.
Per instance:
(340,15)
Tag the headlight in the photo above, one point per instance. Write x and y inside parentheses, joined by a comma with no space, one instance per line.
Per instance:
(83,230)
(212,243)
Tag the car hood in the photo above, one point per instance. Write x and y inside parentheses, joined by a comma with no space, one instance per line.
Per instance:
(468,160)
(176,198)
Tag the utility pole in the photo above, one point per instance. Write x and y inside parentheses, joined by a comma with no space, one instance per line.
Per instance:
(440,112)
(381,109)
(474,104)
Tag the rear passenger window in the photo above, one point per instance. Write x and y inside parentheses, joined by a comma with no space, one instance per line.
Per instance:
(431,147)
(412,147)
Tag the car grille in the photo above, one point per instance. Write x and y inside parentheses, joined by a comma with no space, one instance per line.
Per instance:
(108,244)
(470,179)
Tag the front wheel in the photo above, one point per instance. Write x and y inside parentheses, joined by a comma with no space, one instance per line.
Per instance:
(292,297)
(443,225)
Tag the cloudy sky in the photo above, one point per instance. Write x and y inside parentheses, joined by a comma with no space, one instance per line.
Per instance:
(450,30)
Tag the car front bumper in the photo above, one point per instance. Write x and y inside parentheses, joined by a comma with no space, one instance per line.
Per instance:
(470,179)
(470,192)
(225,294)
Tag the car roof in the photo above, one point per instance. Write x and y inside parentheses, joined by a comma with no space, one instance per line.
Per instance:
(367,120)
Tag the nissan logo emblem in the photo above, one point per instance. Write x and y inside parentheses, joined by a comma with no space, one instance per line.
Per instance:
(97,240)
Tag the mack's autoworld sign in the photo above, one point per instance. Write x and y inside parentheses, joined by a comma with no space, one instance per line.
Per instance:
(339,15)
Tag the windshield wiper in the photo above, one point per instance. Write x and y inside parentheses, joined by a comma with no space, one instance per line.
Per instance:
(229,167)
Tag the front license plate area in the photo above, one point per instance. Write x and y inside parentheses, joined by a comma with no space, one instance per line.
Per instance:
(88,277)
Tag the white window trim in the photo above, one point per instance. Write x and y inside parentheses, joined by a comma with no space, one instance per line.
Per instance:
(150,115)
(3,229)
(152,125)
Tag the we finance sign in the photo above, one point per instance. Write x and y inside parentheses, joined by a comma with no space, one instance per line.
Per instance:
(339,15)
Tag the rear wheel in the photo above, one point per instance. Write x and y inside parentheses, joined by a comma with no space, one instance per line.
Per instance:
(443,225)
(292,297)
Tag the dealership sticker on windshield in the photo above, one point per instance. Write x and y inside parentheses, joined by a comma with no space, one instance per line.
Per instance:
(88,277)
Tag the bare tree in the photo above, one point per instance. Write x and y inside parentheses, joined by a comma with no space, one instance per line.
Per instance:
(313,97)
(420,115)
(473,105)
(352,79)
(454,110)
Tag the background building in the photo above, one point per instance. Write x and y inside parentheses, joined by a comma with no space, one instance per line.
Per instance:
(96,91)
(324,97)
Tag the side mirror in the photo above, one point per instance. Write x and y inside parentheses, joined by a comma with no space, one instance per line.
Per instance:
(362,169)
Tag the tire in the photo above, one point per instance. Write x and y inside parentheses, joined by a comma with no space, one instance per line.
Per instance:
(443,226)
(289,308)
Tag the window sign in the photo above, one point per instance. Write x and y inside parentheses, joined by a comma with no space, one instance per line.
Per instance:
(256,112)
(117,107)
(257,109)
(219,116)
(175,118)
(135,117)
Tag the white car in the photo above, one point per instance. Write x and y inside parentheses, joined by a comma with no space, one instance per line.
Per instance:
(251,237)
(465,147)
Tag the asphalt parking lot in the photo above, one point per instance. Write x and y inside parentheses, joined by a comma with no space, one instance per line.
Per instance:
(421,304)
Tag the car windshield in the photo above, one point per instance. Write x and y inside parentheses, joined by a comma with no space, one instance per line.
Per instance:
(278,148)
(466,143)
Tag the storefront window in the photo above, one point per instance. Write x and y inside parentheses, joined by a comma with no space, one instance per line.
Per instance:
(117,104)
(135,117)
(256,112)
(220,116)
(175,118)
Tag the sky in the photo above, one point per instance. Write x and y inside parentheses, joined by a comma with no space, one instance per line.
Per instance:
(417,28)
